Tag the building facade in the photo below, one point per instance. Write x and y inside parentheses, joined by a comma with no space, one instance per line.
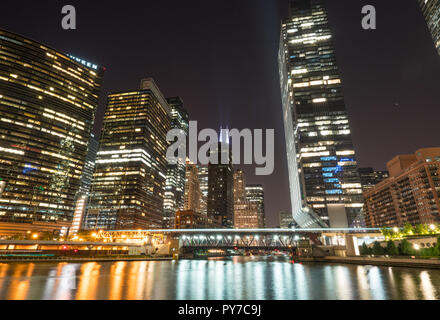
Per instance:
(255,196)
(246,214)
(192,196)
(324,182)
(286,219)
(431,12)
(175,182)
(220,205)
(370,177)
(48,101)
(410,195)
(189,219)
(131,166)
(204,186)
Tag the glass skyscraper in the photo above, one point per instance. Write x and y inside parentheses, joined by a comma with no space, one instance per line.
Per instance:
(324,182)
(131,166)
(47,107)
(175,182)
(431,12)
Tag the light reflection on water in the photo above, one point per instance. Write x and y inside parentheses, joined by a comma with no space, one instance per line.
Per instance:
(254,278)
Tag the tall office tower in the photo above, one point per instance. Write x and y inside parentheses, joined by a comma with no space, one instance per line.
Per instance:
(370,177)
(47,105)
(255,195)
(175,182)
(89,167)
(221,185)
(324,181)
(192,188)
(246,212)
(431,12)
(129,179)
(203,179)
(286,219)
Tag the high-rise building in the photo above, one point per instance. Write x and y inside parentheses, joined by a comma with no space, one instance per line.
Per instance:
(410,195)
(324,182)
(192,194)
(286,219)
(431,12)
(48,101)
(203,179)
(246,213)
(255,196)
(131,166)
(175,182)
(370,177)
(89,167)
(221,186)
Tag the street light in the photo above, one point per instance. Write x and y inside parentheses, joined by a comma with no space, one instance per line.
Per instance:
(432,227)
(416,246)
(395,229)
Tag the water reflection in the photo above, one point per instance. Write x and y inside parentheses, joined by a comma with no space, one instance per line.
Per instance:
(233,278)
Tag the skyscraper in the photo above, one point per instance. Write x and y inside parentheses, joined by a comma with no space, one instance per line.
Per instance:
(324,182)
(129,179)
(175,182)
(255,196)
(431,12)
(221,187)
(89,167)
(203,179)
(286,219)
(248,203)
(192,188)
(48,101)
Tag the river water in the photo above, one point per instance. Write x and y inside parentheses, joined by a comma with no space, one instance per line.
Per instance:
(254,278)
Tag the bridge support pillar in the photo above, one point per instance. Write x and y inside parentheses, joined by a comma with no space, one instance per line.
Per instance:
(174,246)
(351,243)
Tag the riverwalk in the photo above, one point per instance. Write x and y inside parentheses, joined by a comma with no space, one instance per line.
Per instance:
(379,261)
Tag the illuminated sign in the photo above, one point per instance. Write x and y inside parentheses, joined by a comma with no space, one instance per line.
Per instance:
(84,62)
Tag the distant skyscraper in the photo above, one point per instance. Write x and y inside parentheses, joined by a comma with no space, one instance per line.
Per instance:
(431,12)
(129,179)
(48,102)
(245,212)
(324,183)
(221,187)
(255,195)
(286,219)
(192,195)
(175,182)
(370,178)
(203,179)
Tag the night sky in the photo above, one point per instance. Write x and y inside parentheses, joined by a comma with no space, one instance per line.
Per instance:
(221,58)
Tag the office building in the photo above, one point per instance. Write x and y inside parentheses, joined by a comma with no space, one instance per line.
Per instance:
(410,195)
(431,12)
(221,186)
(131,166)
(192,196)
(175,181)
(324,182)
(203,180)
(246,214)
(286,219)
(189,219)
(370,177)
(48,101)
(255,196)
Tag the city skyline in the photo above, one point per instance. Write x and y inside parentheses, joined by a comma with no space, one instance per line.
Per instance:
(393,118)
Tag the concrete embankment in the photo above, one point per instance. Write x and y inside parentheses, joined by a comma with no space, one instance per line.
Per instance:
(379,261)
(88,259)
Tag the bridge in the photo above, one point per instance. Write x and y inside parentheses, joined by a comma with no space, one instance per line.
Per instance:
(255,239)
